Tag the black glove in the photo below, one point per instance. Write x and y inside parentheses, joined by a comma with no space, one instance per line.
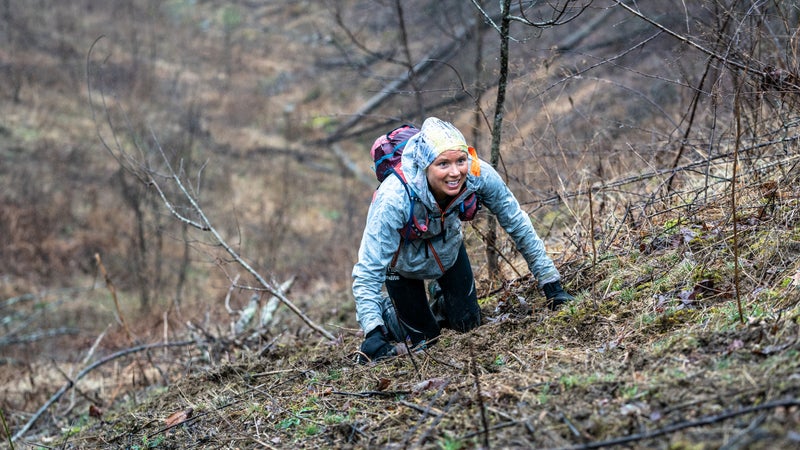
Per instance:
(376,346)
(556,296)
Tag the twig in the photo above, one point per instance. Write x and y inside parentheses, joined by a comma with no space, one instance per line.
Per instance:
(484,420)
(736,269)
(436,421)
(560,197)
(6,431)
(680,426)
(734,440)
(83,373)
(94,346)
(499,426)
(228,295)
(569,424)
(39,335)
(425,414)
(722,58)
(205,225)
(414,406)
(113,291)
(371,393)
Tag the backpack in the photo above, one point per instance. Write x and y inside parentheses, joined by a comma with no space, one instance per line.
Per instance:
(386,152)
(388,148)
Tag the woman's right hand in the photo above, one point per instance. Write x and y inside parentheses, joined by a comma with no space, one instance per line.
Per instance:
(376,346)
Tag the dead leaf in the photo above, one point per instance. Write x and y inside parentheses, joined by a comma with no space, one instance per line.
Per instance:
(179,417)
(383,384)
(95,411)
(429,384)
(735,345)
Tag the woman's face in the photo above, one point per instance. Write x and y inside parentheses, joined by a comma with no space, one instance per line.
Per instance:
(447,174)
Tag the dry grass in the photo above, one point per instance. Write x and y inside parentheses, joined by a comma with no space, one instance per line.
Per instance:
(653,351)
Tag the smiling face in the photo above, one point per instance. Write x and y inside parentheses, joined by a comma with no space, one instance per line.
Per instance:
(447,174)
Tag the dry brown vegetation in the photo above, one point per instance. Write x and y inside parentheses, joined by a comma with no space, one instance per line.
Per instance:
(659,164)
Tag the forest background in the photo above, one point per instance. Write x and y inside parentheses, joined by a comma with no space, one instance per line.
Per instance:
(168,164)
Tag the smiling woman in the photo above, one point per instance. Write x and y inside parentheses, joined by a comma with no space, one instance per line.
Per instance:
(440,174)
(447,175)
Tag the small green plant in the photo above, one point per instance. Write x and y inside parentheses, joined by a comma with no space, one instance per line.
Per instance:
(544,395)
(731,313)
(449,443)
(627,295)
(256,409)
(499,361)
(333,419)
(630,392)
(147,443)
(723,363)
(569,381)
(76,427)
(289,422)
(311,429)
(5,429)
(671,225)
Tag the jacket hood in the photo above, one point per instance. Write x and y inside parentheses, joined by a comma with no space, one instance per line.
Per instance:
(435,137)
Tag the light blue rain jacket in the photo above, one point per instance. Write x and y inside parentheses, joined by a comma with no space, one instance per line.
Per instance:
(389,212)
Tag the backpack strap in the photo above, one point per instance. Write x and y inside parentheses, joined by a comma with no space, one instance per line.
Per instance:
(412,226)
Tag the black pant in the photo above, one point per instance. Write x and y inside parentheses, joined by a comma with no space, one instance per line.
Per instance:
(458,304)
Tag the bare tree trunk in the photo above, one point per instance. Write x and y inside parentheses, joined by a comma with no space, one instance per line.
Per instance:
(133,197)
(412,76)
(497,129)
(480,89)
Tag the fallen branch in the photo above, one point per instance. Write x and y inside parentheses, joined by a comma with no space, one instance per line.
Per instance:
(69,384)
(38,336)
(205,225)
(682,425)
(479,396)
(365,394)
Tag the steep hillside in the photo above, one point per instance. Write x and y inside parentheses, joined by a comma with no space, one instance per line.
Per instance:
(654,354)
(655,150)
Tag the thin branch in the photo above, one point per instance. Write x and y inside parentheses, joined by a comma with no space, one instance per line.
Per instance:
(559,17)
(67,386)
(479,395)
(208,227)
(38,336)
(747,68)
(683,425)
(660,172)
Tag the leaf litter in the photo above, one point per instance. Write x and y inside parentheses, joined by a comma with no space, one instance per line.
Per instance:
(652,354)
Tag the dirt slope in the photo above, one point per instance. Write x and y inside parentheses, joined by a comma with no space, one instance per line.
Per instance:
(653,354)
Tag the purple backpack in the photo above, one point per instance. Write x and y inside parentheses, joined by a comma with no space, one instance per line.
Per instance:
(388,148)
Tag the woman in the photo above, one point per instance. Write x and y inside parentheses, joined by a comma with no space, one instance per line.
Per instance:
(441,170)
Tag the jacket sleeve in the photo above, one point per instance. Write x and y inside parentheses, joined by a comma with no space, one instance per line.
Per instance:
(499,199)
(379,243)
